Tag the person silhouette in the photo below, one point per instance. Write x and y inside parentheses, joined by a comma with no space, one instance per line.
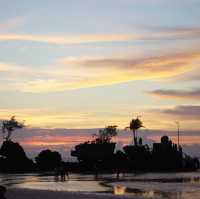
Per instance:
(56,172)
(2,192)
(63,172)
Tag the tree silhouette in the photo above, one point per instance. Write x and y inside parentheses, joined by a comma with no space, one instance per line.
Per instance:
(8,126)
(48,160)
(14,158)
(135,125)
(105,135)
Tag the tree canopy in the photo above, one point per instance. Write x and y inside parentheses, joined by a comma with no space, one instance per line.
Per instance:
(8,126)
(105,135)
(48,160)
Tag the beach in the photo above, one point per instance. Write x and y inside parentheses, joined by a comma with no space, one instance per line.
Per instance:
(14,193)
(150,185)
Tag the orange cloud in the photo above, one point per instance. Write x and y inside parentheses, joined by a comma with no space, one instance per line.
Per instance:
(158,118)
(50,118)
(83,73)
(55,140)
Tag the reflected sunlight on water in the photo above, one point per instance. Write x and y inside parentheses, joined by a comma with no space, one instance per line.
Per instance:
(119,190)
(149,194)
(195,180)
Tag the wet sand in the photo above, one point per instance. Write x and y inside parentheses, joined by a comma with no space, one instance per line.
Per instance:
(14,193)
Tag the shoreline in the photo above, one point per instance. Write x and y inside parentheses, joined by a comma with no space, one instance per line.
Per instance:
(86,188)
(19,193)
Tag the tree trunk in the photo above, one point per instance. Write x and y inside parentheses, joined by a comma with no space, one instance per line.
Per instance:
(134,137)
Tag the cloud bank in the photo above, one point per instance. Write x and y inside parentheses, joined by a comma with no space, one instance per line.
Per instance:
(193,94)
(185,112)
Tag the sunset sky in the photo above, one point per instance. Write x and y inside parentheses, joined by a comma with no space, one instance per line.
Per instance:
(85,64)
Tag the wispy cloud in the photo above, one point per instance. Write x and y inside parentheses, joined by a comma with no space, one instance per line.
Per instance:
(68,39)
(193,94)
(184,112)
(164,117)
(40,117)
(151,34)
(56,118)
(78,73)
(179,32)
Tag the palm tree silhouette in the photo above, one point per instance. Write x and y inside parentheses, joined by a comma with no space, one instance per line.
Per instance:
(135,125)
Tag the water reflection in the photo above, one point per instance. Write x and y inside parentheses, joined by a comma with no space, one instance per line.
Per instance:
(122,190)
(160,186)
(155,186)
(195,180)
(149,194)
(119,190)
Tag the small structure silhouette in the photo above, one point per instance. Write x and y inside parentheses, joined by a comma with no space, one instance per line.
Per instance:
(166,156)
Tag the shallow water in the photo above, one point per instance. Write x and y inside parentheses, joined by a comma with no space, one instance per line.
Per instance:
(162,185)
(149,185)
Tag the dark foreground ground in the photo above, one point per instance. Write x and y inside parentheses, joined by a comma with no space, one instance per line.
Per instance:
(14,193)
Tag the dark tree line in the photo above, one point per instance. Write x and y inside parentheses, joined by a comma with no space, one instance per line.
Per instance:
(13,157)
(97,155)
